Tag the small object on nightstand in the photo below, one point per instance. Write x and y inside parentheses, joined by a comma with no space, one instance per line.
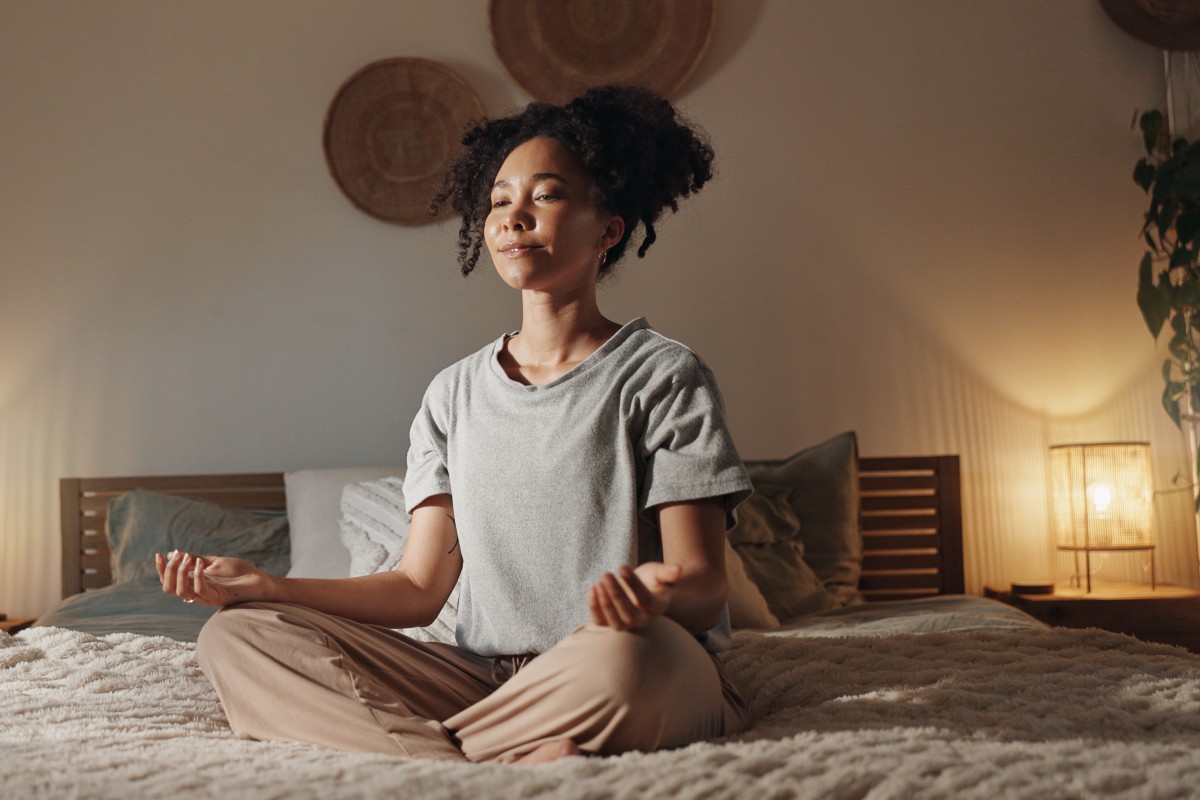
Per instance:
(15,624)
(1033,588)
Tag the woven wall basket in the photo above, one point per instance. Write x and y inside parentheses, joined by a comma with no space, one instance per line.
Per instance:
(1167,24)
(390,131)
(555,49)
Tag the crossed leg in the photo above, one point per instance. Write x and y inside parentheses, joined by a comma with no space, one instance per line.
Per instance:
(285,672)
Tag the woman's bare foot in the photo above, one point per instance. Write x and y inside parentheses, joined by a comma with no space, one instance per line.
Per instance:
(550,751)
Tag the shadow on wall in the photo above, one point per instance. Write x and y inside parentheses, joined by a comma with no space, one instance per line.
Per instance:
(732,32)
(861,360)
(946,405)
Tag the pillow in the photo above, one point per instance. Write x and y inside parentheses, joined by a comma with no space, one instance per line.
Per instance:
(374,530)
(767,539)
(313,500)
(747,606)
(812,500)
(142,523)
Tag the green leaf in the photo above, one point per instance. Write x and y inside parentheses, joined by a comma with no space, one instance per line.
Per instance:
(1143,174)
(1164,218)
(1186,227)
(1180,257)
(1154,302)
(1171,404)
(1187,179)
(1151,124)
(1185,294)
(1180,346)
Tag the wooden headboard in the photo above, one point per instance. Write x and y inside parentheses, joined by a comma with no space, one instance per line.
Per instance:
(86,557)
(911,527)
(911,520)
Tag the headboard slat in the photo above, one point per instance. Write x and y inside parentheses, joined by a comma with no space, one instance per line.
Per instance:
(911,514)
(255,498)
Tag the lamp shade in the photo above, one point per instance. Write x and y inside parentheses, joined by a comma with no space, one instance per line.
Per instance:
(1102,495)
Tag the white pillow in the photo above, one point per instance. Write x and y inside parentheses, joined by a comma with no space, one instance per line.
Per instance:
(374,531)
(313,503)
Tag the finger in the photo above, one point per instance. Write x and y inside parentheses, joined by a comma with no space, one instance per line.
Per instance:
(618,601)
(639,594)
(604,602)
(198,578)
(169,570)
(183,582)
(160,565)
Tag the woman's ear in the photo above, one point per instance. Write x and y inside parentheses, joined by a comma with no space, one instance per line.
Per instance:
(613,232)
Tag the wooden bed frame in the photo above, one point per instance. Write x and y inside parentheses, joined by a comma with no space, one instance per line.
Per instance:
(911,521)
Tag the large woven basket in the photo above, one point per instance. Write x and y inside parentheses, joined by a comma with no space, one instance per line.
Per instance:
(391,130)
(555,49)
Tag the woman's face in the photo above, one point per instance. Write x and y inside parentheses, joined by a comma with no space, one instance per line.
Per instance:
(544,230)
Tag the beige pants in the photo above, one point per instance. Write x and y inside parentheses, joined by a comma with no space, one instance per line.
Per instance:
(285,672)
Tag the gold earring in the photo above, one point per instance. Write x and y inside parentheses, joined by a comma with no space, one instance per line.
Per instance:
(602,257)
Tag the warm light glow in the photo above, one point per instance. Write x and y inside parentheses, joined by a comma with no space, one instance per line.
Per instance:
(1102,496)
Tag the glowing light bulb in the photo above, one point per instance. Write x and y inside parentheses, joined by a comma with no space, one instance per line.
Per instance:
(1100,496)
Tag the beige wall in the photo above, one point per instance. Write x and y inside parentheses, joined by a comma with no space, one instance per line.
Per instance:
(923,229)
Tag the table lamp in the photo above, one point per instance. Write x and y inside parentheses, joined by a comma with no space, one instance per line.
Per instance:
(1103,501)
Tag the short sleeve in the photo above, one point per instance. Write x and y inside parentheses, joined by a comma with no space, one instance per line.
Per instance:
(687,450)
(427,473)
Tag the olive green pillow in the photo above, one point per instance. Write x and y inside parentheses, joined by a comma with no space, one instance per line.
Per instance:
(799,536)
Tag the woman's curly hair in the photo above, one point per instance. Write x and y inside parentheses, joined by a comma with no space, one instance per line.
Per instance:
(641,153)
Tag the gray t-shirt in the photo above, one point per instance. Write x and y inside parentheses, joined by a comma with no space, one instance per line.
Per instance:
(553,484)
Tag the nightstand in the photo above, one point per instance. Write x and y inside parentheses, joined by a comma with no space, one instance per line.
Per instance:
(1167,614)
(16,624)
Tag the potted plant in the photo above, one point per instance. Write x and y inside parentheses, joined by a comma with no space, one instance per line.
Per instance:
(1169,274)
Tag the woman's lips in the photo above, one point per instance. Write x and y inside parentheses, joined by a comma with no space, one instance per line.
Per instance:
(518,250)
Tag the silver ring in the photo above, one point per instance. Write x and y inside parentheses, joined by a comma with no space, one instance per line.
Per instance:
(189,601)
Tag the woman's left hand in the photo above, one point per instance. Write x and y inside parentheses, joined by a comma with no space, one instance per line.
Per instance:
(633,597)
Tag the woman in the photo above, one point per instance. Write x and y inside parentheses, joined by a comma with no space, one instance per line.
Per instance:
(577,473)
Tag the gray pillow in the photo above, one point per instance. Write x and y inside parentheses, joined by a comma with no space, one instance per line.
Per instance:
(811,500)
(142,523)
(767,539)
(747,606)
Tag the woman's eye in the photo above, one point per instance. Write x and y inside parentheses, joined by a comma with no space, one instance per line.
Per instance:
(547,197)
(499,203)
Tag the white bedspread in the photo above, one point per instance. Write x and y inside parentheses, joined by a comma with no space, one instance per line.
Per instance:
(1035,713)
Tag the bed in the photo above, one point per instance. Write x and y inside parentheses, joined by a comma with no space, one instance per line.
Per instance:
(896,686)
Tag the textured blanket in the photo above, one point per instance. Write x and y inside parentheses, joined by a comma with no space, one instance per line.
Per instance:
(1023,713)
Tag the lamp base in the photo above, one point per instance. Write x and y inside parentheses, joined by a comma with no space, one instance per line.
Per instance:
(1033,588)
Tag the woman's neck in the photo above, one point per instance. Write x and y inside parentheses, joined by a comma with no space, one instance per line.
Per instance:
(554,337)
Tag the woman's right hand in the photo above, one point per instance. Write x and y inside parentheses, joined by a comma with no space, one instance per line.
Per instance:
(211,581)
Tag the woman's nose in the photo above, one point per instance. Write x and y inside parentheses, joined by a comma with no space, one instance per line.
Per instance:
(516,218)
